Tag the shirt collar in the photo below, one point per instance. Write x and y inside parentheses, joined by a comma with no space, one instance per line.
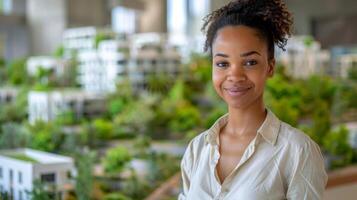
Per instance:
(269,130)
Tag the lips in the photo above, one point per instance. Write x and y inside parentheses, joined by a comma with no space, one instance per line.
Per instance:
(237,91)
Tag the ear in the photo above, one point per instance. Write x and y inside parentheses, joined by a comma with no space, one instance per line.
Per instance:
(271,67)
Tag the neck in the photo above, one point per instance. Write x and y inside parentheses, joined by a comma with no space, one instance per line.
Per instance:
(243,121)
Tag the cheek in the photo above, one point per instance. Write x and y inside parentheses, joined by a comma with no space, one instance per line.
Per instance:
(217,80)
(260,84)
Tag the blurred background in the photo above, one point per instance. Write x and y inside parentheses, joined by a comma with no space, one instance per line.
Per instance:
(99,98)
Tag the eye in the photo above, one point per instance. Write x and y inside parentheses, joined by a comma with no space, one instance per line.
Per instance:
(250,63)
(222,64)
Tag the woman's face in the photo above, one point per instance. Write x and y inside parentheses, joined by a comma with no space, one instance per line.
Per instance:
(240,65)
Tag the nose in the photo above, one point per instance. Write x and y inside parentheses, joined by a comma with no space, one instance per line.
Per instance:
(236,73)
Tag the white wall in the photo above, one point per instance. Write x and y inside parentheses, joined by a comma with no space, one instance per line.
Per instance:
(59,169)
(16,166)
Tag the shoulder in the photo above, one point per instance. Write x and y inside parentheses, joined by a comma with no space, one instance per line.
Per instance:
(303,163)
(294,138)
(195,146)
(300,150)
(303,154)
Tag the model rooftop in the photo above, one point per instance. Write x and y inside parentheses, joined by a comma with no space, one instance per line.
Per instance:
(34,156)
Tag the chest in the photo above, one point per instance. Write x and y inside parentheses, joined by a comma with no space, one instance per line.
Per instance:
(255,179)
(231,152)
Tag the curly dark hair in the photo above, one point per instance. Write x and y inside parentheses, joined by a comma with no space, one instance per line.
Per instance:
(270,17)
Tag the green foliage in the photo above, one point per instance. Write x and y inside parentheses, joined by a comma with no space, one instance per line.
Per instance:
(187,117)
(21,156)
(308,41)
(3,194)
(3,75)
(16,111)
(13,136)
(69,77)
(59,52)
(88,135)
(103,129)
(45,79)
(66,118)
(341,100)
(283,98)
(84,179)
(116,106)
(176,113)
(45,136)
(135,117)
(162,166)
(336,144)
(100,37)
(116,196)
(17,72)
(214,115)
(159,83)
(178,93)
(116,159)
(346,96)
(142,144)
(121,98)
(285,110)
(200,69)
(136,188)
(72,142)
(279,87)
(38,192)
(321,122)
(352,73)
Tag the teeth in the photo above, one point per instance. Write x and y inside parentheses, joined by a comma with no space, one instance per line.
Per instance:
(238,89)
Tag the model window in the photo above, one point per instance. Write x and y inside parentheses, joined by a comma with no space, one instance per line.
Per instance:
(11,175)
(20,195)
(48,178)
(20,177)
(121,62)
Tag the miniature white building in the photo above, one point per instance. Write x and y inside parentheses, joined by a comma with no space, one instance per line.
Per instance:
(100,70)
(7,95)
(345,63)
(46,62)
(76,39)
(47,106)
(302,59)
(143,55)
(152,55)
(21,167)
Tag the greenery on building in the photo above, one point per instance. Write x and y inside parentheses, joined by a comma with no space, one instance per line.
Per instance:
(115,160)
(84,179)
(175,110)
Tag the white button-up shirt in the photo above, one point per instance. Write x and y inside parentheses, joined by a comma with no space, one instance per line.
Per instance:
(281,162)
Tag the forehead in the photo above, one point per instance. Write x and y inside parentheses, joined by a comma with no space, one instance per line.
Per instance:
(238,38)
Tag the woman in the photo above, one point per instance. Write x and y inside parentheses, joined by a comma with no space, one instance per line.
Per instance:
(249,153)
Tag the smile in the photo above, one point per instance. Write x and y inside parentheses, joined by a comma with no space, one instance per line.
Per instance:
(237,91)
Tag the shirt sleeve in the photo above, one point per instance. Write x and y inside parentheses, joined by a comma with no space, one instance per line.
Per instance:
(308,177)
(186,166)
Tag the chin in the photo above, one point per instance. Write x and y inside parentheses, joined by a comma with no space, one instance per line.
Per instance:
(242,103)
(237,105)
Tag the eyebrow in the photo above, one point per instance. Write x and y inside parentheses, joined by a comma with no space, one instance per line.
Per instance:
(221,55)
(249,53)
(241,55)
